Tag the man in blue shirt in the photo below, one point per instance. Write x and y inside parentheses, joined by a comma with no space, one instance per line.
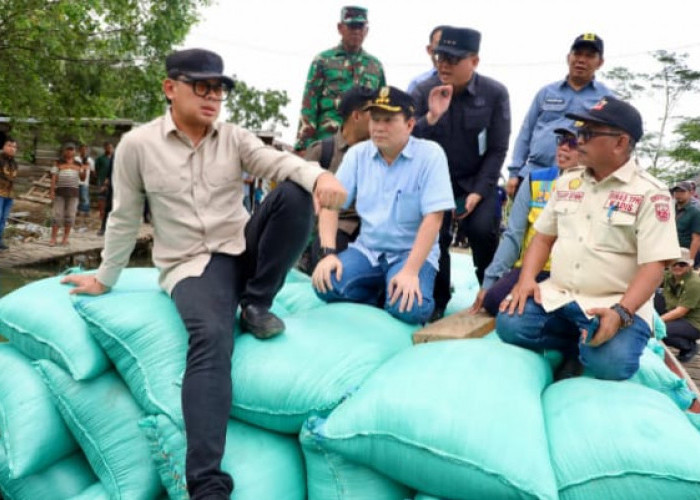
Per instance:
(401,187)
(434,39)
(576,93)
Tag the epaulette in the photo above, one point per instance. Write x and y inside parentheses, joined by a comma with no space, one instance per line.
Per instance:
(653,180)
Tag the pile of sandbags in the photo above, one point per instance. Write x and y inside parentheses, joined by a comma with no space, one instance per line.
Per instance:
(339,407)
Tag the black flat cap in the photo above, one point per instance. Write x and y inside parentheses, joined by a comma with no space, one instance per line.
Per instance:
(615,113)
(459,41)
(197,64)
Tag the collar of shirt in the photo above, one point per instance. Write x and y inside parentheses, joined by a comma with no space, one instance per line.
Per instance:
(565,83)
(169,127)
(471,86)
(406,152)
(624,174)
(340,141)
(340,51)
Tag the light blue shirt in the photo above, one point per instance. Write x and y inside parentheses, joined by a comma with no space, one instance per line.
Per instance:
(536,145)
(420,78)
(392,200)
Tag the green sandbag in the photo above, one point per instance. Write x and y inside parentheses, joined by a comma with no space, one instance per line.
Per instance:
(463,281)
(654,373)
(60,481)
(457,419)
(103,417)
(329,476)
(33,433)
(620,441)
(264,465)
(423,496)
(94,492)
(324,354)
(40,321)
(295,297)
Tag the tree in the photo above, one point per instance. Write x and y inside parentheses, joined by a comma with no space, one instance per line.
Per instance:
(74,59)
(257,109)
(667,86)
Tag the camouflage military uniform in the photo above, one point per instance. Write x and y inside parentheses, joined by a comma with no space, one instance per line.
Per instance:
(333,72)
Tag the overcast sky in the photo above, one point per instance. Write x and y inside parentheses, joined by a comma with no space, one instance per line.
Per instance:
(270,43)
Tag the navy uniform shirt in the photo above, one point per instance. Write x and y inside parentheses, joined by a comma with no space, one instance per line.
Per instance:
(474,132)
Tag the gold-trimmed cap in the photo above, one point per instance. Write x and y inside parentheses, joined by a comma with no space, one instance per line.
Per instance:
(392,100)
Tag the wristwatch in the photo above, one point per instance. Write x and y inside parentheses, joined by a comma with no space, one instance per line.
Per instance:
(325,251)
(626,316)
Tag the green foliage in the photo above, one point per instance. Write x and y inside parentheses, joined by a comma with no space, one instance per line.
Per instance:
(74,59)
(667,86)
(257,109)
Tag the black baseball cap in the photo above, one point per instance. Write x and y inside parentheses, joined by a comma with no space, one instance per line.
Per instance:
(566,129)
(197,64)
(588,40)
(615,113)
(392,100)
(458,41)
(354,99)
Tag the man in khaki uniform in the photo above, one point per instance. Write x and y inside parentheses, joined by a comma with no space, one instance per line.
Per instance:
(610,229)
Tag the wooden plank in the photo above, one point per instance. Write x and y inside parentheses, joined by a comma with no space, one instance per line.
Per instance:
(38,199)
(43,184)
(461,325)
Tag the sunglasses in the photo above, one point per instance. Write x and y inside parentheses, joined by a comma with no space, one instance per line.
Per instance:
(202,88)
(586,134)
(567,140)
(440,57)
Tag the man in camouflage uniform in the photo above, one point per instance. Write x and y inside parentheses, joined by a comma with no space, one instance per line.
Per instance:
(332,73)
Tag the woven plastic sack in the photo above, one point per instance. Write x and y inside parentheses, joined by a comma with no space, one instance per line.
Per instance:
(456,419)
(654,373)
(620,441)
(264,465)
(32,431)
(324,354)
(94,492)
(60,481)
(103,417)
(295,297)
(329,476)
(463,281)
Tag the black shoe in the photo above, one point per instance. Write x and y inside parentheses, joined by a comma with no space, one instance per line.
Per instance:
(686,355)
(260,322)
(569,368)
(438,314)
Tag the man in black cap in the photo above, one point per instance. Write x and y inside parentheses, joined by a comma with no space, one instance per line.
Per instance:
(333,72)
(330,151)
(574,94)
(401,187)
(211,254)
(687,219)
(468,114)
(609,228)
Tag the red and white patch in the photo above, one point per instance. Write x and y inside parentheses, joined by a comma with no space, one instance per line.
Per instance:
(624,202)
(660,197)
(662,211)
(570,196)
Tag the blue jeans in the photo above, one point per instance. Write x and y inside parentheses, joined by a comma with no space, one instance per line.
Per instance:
(5,206)
(84,205)
(367,284)
(536,329)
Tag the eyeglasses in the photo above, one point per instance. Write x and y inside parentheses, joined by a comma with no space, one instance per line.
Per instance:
(586,134)
(567,140)
(440,57)
(680,264)
(202,88)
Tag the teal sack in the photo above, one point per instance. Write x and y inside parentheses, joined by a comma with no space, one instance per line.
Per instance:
(33,433)
(40,321)
(94,492)
(331,477)
(620,441)
(264,465)
(324,354)
(103,417)
(458,419)
(654,373)
(295,297)
(463,281)
(60,481)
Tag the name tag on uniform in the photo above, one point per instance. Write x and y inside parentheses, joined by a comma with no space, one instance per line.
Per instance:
(570,196)
(625,203)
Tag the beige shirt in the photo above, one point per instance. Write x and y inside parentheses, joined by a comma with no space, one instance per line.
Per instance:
(605,231)
(195,195)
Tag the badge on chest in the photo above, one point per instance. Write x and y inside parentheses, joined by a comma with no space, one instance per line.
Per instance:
(622,202)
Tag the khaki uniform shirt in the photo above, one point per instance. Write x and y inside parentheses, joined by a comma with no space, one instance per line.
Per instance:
(605,231)
(195,195)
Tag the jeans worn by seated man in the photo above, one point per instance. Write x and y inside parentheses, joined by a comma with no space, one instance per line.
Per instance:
(400,186)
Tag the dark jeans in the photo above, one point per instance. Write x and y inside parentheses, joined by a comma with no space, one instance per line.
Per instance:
(680,333)
(481,229)
(502,287)
(275,236)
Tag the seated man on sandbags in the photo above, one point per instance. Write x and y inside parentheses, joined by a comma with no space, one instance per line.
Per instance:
(504,270)
(400,186)
(609,228)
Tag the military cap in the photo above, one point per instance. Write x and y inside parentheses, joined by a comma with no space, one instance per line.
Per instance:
(392,100)
(197,64)
(588,40)
(353,15)
(458,41)
(354,99)
(614,113)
